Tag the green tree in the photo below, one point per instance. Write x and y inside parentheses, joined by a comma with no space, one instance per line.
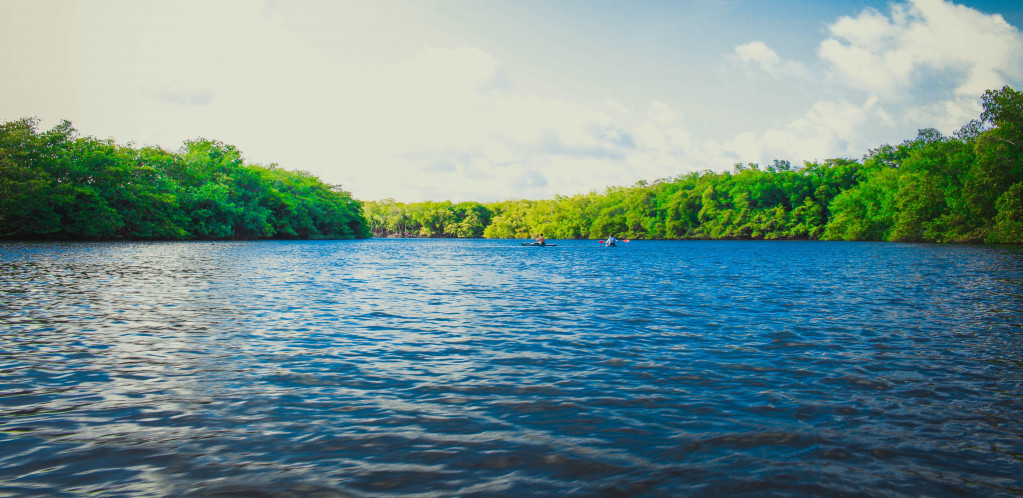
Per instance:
(1008,226)
(58,185)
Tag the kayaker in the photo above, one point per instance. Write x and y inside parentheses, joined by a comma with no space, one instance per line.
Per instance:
(540,241)
(610,241)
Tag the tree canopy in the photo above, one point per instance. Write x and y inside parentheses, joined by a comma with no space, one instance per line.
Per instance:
(57,185)
(934,188)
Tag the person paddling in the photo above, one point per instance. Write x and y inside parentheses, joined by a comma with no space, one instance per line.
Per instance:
(540,241)
(610,241)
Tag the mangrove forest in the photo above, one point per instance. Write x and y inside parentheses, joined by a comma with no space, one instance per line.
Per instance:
(933,188)
(57,185)
(967,187)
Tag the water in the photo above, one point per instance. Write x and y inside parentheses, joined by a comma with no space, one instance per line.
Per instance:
(472,367)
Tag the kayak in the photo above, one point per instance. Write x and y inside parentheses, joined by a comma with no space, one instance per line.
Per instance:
(538,244)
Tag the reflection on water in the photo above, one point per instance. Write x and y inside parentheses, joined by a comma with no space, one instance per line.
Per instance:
(445,367)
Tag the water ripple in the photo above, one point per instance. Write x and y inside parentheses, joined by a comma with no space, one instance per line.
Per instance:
(455,367)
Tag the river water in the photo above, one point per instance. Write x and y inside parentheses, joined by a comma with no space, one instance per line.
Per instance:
(482,367)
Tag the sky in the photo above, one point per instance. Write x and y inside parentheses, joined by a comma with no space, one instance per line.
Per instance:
(493,100)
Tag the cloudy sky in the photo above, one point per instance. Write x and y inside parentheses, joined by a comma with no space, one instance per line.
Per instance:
(492,100)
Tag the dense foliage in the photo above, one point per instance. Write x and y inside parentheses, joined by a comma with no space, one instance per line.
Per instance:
(779,202)
(427,219)
(55,185)
(966,188)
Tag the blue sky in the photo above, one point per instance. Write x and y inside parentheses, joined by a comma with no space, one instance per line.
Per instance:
(492,100)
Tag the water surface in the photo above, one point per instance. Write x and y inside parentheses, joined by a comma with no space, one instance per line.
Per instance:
(481,367)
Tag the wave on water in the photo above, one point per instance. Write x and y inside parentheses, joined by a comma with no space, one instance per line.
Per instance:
(482,367)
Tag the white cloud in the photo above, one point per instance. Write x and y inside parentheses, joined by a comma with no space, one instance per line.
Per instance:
(946,115)
(759,55)
(924,64)
(661,113)
(377,102)
(828,129)
(884,54)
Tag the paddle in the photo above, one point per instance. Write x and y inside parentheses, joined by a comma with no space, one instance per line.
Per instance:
(604,241)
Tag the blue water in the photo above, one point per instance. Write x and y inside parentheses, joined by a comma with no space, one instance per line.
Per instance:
(481,367)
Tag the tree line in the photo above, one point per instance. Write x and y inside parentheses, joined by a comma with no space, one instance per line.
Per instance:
(962,188)
(57,185)
(934,188)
